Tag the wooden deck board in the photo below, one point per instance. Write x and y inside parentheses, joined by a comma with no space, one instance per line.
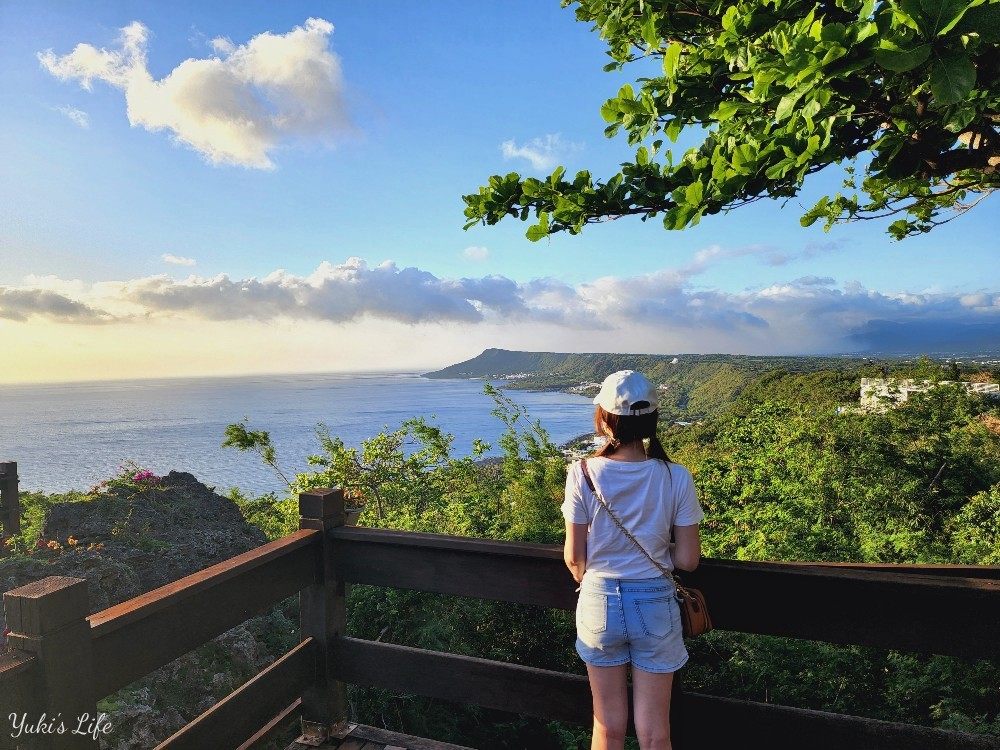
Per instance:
(364,737)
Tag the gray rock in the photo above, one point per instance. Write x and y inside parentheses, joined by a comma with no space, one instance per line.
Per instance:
(109,581)
(164,533)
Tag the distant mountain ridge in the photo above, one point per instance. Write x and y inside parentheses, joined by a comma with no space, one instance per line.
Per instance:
(691,386)
(576,367)
(496,362)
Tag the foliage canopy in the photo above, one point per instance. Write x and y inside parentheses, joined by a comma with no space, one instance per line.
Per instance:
(904,94)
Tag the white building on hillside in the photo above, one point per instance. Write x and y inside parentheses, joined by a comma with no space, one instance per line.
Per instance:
(878,393)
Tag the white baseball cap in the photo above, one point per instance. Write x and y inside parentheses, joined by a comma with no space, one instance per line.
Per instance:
(627,392)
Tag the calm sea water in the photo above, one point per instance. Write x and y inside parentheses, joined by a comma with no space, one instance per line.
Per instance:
(69,436)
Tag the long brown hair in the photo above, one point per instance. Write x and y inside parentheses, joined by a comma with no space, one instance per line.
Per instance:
(628,428)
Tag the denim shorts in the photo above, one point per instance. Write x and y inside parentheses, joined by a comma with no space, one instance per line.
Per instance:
(630,620)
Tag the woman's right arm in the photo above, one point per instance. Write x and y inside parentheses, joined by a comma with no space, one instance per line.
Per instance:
(575,549)
(686,550)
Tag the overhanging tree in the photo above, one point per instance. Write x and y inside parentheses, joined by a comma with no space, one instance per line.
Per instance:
(903,94)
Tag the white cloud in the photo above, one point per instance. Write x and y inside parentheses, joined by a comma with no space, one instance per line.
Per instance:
(476,253)
(76,116)
(223,45)
(233,109)
(659,311)
(543,153)
(178,260)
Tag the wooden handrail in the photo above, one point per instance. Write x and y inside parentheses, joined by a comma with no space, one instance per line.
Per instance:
(135,637)
(911,611)
(917,569)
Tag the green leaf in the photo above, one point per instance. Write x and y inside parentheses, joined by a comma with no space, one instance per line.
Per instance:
(943,14)
(983,20)
(814,213)
(649,33)
(536,233)
(744,156)
(609,110)
(810,109)
(670,58)
(677,217)
(726,110)
(694,193)
(899,228)
(952,78)
(541,229)
(901,60)
(787,104)
(729,18)
(833,32)
(780,169)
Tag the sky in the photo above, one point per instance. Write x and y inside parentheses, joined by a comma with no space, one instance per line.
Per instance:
(196,188)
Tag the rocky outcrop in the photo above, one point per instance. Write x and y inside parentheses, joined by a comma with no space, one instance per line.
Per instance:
(171,530)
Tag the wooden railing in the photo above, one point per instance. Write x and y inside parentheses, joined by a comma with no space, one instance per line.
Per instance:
(64,660)
(10,504)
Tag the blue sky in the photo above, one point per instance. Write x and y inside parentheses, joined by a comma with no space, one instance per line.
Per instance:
(201,188)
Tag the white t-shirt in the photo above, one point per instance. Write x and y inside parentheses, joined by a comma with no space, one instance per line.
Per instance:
(646,497)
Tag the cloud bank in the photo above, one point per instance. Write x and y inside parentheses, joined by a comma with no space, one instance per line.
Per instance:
(236,108)
(661,311)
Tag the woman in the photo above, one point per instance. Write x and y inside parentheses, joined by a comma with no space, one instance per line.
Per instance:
(627,612)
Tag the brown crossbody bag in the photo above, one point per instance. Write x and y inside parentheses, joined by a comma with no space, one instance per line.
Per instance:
(694,611)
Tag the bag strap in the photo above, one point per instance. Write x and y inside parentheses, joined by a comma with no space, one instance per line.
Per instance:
(593,488)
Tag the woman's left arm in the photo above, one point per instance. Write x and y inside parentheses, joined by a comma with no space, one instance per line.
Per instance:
(575,549)
(686,549)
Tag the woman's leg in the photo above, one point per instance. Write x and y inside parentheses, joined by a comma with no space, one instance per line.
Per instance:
(609,686)
(651,702)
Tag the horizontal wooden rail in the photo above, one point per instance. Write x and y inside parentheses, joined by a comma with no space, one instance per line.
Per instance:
(463,679)
(699,720)
(911,611)
(958,571)
(712,722)
(136,637)
(483,568)
(229,723)
(941,614)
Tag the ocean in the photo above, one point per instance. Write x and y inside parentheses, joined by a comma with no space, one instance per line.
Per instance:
(72,435)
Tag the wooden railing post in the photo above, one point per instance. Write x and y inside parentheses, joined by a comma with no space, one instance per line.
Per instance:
(10,504)
(49,619)
(323,617)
